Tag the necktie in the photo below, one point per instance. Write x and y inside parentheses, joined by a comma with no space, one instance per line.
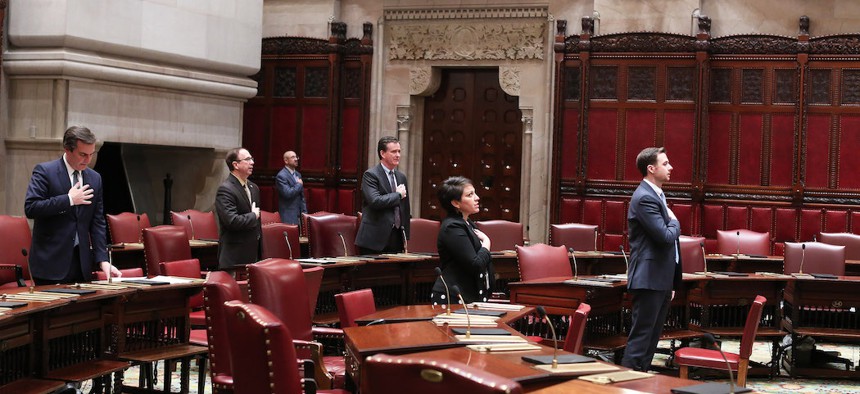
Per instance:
(663,199)
(247,192)
(76,177)
(397,208)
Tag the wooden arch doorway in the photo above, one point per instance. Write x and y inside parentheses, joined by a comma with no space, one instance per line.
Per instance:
(473,128)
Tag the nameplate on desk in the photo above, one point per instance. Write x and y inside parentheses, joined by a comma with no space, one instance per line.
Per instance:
(481,312)
(10,304)
(824,276)
(147,282)
(562,359)
(70,291)
(709,388)
(372,257)
(315,261)
(481,331)
(729,273)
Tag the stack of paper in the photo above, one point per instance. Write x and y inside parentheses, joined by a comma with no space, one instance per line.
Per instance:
(492,306)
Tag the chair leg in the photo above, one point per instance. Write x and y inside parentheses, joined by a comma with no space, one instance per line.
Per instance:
(743,368)
(683,371)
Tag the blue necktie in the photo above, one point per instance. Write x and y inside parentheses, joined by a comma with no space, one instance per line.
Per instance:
(397,208)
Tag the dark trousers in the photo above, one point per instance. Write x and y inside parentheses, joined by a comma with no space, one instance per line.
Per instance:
(393,245)
(75,274)
(649,315)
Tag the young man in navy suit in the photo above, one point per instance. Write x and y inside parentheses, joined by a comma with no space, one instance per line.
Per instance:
(655,261)
(64,199)
(291,197)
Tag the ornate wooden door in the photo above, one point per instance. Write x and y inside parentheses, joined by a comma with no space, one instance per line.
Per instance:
(472,128)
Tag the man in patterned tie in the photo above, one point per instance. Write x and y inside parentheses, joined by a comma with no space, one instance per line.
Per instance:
(291,197)
(655,267)
(385,213)
(64,199)
(238,206)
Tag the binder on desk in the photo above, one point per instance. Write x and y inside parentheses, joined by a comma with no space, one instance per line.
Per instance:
(70,291)
(146,282)
(729,273)
(824,276)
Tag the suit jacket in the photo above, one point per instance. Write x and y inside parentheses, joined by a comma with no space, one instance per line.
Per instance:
(56,221)
(653,242)
(377,214)
(239,241)
(464,262)
(291,197)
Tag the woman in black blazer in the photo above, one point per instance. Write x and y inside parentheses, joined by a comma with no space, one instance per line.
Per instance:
(464,251)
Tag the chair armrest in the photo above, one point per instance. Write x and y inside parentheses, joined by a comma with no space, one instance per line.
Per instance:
(321,375)
(308,382)
(327,332)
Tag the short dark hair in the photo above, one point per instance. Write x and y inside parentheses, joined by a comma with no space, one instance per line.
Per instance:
(450,190)
(77,133)
(382,145)
(232,155)
(647,157)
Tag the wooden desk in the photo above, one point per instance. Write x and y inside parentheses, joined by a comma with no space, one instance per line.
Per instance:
(822,308)
(655,384)
(130,255)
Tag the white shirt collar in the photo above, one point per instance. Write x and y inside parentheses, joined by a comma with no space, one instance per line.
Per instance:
(69,168)
(387,170)
(656,188)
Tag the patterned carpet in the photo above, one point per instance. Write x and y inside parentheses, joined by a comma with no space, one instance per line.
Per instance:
(761,353)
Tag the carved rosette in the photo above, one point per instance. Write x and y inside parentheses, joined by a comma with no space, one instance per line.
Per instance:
(509,79)
(501,40)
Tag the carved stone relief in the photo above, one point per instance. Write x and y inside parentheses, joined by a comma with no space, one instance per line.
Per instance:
(509,79)
(424,80)
(501,40)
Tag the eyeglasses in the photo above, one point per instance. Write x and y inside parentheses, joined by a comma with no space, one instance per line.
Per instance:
(249,158)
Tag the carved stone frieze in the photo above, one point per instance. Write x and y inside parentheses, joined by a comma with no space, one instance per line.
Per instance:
(643,42)
(509,79)
(423,80)
(754,44)
(502,40)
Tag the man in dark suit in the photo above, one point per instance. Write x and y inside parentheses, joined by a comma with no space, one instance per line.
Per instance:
(238,206)
(64,199)
(291,197)
(385,214)
(655,261)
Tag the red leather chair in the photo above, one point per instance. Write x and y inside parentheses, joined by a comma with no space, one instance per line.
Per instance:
(164,243)
(354,304)
(749,242)
(325,232)
(576,330)
(279,285)
(692,259)
(127,227)
(580,237)
(304,220)
(188,269)
(126,273)
(385,374)
(423,234)
(504,235)
(707,358)
(202,225)
(851,242)
(817,258)
(543,261)
(16,236)
(267,217)
(275,246)
(219,288)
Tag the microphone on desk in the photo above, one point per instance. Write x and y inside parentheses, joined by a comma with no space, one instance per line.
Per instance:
(575,270)
(542,312)
(405,241)
(139,232)
(192,226)
(626,263)
(713,341)
(345,251)
(738,254)
(24,253)
(814,239)
(802,257)
(110,261)
(290,247)
(704,260)
(447,293)
(465,309)
(595,239)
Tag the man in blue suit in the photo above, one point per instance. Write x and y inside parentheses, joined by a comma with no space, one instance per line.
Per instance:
(64,199)
(291,197)
(655,262)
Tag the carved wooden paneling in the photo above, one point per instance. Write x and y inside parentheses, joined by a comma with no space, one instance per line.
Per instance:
(604,83)
(820,86)
(680,83)
(641,83)
(850,86)
(721,85)
(752,82)
(285,82)
(785,86)
(572,88)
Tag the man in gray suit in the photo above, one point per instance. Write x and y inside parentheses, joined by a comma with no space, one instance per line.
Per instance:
(291,196)
(655,262)
(385,215)
(238,206)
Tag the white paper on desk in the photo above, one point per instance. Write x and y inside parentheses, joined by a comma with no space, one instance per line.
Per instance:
(492,306)
(490,339)
(503,347)
(587,282)
(174,279)
(616,377)
(578,367)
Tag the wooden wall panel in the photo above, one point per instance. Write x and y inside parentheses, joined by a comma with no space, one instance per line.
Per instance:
(781,160)
(641,128)
(679,140)
(849,152)
(315,139)
(749,149)
(284,125)
(817,151)
(602,144)
(719,147)
(569,144)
